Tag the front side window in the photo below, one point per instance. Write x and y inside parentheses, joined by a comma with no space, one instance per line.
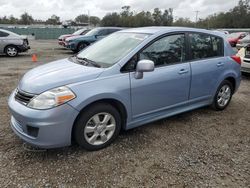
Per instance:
(165,51)
(205,46)
(103,32)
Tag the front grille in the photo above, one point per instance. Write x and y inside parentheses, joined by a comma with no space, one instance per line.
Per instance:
(246,60)
(23,97)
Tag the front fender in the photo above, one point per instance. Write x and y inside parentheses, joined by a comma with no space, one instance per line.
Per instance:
(114,87)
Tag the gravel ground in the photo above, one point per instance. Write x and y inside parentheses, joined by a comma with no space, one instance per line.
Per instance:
(202,148)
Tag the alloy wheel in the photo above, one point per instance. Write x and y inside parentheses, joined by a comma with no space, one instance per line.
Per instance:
(99,128)
(224,95)
(11,51)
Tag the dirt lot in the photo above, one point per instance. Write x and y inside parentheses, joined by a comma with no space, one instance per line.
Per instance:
(202,148)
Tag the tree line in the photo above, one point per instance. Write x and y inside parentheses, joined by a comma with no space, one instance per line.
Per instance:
(237,17)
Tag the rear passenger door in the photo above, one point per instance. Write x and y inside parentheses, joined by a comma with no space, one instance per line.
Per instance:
(207,62)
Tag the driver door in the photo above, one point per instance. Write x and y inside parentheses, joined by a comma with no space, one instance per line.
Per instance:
(168,85)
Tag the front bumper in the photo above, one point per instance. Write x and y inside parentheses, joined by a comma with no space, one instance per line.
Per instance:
(61,43)
(71,46)
(245,66)
(23,48)
(42,128)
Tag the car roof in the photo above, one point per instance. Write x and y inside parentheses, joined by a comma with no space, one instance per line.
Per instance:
(157,30)
(118,28)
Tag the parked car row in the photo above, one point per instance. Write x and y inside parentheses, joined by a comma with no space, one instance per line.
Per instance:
(234,38)
(11,43)
(62,38)
(77,42)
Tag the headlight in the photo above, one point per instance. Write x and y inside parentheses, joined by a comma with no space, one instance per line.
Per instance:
(52,98)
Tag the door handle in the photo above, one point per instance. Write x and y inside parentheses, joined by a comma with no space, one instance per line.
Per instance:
(220,64)
(183,71)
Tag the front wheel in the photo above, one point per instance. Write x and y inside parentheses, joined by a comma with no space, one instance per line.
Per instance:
(11,51)
(81,46)
(97,126)
(223,95)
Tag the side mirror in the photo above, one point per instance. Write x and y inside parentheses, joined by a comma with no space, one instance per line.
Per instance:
(144,66)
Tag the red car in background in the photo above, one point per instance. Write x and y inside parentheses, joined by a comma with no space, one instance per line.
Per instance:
(61,39)
(233,38)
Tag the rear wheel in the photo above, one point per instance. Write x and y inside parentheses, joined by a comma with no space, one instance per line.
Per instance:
(97,126)
(223,95)
(11,51)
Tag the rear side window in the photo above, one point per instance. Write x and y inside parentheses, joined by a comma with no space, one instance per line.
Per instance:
(205,46)
(3,34)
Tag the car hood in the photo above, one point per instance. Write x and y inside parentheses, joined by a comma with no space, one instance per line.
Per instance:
(63,36)
(56,74)
(78,37)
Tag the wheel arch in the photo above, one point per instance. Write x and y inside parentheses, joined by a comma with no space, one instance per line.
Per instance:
(83,42)
(117,104)
(5,48)
(232,80)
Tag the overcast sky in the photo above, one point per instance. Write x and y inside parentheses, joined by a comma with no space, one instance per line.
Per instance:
(69,9)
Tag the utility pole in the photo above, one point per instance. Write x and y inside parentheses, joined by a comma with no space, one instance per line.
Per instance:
(88,19)
(196,17)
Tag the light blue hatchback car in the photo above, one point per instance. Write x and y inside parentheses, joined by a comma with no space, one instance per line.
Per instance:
(125,80)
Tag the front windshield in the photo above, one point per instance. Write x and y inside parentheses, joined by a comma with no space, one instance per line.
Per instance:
(113,48)
(78,32)
(92,32)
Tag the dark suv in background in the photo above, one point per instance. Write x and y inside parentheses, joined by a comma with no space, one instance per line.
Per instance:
(11,43)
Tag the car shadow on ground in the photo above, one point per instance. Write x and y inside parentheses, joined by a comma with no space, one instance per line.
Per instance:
(135,139)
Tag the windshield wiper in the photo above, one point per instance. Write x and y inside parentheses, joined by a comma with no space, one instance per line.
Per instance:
(88,61)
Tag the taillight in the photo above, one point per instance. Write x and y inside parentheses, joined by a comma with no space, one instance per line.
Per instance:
(237,59)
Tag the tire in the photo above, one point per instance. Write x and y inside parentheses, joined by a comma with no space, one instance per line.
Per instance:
(11,51)
(223,96)
(90,130)
(81,46)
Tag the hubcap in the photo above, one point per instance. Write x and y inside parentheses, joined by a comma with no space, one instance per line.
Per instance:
(11,51)
(82,46)
(224,95)
(100,128)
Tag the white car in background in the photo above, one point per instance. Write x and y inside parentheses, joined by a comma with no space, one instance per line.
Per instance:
(11,43)
(244,53)
(245,66)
